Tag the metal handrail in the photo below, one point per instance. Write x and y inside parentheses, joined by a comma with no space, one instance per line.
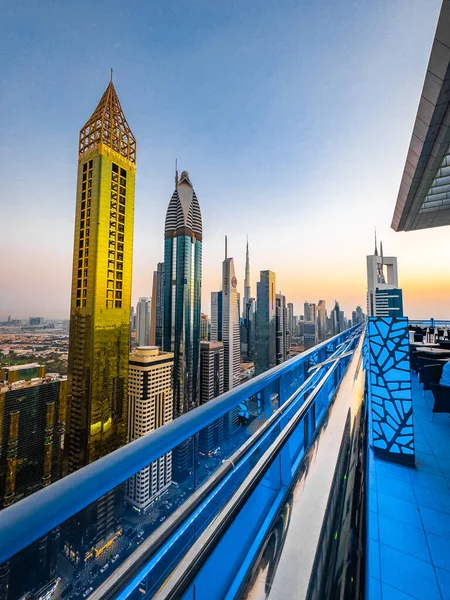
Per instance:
(429,322)
(33,517)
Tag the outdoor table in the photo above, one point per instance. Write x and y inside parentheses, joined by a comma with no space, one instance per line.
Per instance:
(437,352)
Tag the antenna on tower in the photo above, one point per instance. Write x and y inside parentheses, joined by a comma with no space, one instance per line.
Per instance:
(111,74)
(226,248)
(176,173)
(376,249)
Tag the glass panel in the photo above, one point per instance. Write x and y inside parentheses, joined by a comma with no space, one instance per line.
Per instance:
(82,553)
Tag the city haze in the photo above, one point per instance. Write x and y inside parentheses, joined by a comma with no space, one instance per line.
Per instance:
(290,118)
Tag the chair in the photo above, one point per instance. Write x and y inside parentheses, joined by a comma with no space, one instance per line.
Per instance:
(431,374)
(413,356)
(441,395)
(418,337)
(413,359)
(424,362)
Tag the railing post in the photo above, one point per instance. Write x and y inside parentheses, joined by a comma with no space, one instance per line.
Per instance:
(391,428)
(281,384)
(309,423)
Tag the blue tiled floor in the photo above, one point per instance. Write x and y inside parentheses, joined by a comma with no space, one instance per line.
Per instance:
(409,514)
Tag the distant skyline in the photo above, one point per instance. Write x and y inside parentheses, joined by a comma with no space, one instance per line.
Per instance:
(292,119)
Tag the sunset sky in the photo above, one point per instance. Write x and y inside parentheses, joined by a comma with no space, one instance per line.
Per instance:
(293,119)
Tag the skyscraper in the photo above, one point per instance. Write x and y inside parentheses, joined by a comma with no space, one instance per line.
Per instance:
(182,292)
(321,321)
(265,322)
(281,328)
(309,334)
(211,362)
(384,297)
(230,323)
(100,309)
(132,320)
(290,323)
(248,330)
(337,319)
(310,312)
(247,288)
(150,399)
(32,422)
(204,327)
(157,313)
(216,316)
(357,316)
(143,321)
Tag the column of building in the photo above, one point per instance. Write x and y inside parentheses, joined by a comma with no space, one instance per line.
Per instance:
(143,311)
(100,314)
(182,297)
(32,426)
(150,406)
(265,322)
(157,314)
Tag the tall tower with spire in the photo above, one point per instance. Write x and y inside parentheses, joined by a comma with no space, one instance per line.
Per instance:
(230,323)
(100,307)
(182,292)
(247,288)
(384,297)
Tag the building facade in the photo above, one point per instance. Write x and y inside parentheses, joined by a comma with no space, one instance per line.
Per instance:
(337,319)
(100,310)
(211,386)
(32,426)
(143,312)
(384,297)
(157,312)
(36,321)
(182,292)
(309,335)
(321,321)
(281,329)
(21,372)
(204,327)
(150,406)
(248,331)
(230,324)
(265,322)
(290,323)
(357,316)
(247,284)
(216,316)
(310,312)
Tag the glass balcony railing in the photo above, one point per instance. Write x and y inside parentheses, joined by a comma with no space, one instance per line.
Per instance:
(232,462)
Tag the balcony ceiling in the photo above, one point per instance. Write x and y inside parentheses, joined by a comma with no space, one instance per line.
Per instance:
(424,196)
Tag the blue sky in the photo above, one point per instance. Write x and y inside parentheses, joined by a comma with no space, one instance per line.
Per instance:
(293,119)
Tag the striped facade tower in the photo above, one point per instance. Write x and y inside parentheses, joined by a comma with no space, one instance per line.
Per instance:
(182,292)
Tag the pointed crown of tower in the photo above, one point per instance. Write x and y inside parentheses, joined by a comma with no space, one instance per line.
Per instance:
(183,214)
(108,126)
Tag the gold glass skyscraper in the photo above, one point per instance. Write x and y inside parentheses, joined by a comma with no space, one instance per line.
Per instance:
(101,298)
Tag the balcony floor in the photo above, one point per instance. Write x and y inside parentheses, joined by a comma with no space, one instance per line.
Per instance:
(409,514)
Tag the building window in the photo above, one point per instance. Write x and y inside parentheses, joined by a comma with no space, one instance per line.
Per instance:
(116,234)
